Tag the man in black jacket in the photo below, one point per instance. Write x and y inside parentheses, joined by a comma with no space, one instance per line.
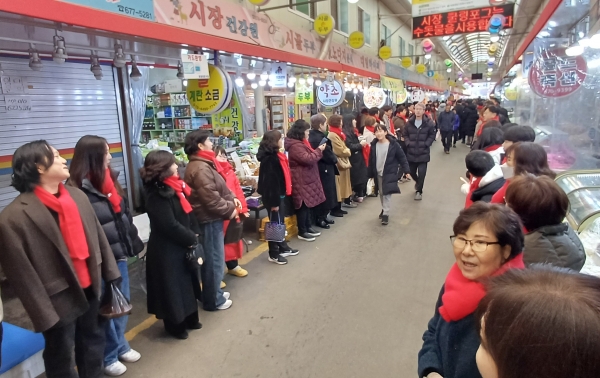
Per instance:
(419,135)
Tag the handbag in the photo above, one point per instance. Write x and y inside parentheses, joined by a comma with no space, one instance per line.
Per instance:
(234,231)
(194,257)
(114,304)
(274,231)
(343,163)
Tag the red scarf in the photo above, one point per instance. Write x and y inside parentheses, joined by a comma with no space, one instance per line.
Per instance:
(110,191)
(496,118)
(210,155)
(492,148)
(307,143)
(474,185)
(182,191)
(285,166)
(498,197)
(462,296)
(338,131)
(370,128)
(71,229)
(366,150)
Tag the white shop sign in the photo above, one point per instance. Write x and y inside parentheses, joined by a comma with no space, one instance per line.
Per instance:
(17,104)
(427,7)
(13,85)
(279,72)
(331,93)
(195,66)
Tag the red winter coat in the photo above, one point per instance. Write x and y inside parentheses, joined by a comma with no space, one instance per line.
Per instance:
(306,182)
(233,251)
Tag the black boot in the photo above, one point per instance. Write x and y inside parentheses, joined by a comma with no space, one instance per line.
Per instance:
(321,223)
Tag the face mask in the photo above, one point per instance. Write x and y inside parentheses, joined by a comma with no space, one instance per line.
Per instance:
(507,172)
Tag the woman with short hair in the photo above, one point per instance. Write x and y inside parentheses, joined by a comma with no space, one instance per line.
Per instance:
(540,322)
(542,206)
(487,242)
(172,286)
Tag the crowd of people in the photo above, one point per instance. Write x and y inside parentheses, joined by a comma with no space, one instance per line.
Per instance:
(69,233)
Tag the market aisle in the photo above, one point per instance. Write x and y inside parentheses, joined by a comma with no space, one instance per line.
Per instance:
(352,304)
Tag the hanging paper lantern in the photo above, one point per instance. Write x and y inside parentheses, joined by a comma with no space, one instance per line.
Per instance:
(490,64)
(495,24)
(493,49)
(460,74)
(428,46)
(448,63)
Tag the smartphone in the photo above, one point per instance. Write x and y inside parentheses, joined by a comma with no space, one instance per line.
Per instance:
(323,141)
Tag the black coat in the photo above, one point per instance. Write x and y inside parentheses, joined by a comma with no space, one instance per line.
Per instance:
(327,168)
(419,140)
(172,287)
(471,116)
(119,229)
(271,181)
(395,158)
(485,193)
(358,171)
(449,348)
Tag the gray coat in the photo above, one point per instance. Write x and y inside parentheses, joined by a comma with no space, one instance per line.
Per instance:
(557,245)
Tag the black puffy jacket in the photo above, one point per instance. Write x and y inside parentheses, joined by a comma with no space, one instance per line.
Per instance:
(471,116)
(395,159)
(118,227)
(419,140)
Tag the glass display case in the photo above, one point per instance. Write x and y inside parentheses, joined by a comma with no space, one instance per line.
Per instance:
(583,190)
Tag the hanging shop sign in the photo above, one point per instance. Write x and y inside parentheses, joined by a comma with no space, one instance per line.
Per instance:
(427,7)
(511,94)
(430,73)
(228,123)
(374,97)
(554,74)
(331,93)
(391,84)
(421,68)
(279,75)
(526,63)
(304,93)
(259,2)
(406,62)
(195,66)
(385,52)
(401,96)
(324,24)
(452,83)
(143,9)
(356,40)
(212,95)
(460,22)
(417,95)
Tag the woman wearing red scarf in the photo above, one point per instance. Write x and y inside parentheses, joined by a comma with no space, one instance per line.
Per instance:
(487,242)
(90,172)
(55,256)
(358,171)
(233,251)
(343,182)
(173,287)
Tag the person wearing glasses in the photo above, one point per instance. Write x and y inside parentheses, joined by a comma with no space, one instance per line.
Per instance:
(487,242)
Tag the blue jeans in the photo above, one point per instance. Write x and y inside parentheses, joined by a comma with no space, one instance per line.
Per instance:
(214,265)
(116,344)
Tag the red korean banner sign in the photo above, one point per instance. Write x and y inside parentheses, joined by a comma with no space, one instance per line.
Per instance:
(554,74)
(460,22)
(230,20)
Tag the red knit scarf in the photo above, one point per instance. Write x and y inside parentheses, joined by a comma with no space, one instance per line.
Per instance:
(462,296)
(307,143)
(110,191)
(474,185)
(366,150)
(181,190)
(71,229)
(492,148)
(338,131)
(370,128)
(285,166)
(210,156)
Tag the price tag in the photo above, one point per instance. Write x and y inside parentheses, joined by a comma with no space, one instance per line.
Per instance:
(17,104)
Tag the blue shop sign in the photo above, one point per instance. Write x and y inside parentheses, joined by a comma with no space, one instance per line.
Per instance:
(143,9)
(430,73)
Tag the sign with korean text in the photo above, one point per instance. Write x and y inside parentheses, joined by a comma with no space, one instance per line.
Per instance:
(304,93)
(13,84)
(143,9)
(391,84)
(554,74)
(17,104)
(279,78)
(331,93)
(406,62)
(212,95)
(460,22)
(401,96)
(427,7)
(374,97)
(324,24)
(195,66)
(356,40)
(421,68)
(228,122)
(385,52)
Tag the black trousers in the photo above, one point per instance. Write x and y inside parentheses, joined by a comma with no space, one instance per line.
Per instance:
(447,139)
(231,264)
(303,217)
(456,137)
(85,335)
(418,171)
(177,328)
(360,190)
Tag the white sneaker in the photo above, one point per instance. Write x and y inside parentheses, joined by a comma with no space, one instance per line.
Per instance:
(226,294)
(115,370)
(225,305)
(130,356)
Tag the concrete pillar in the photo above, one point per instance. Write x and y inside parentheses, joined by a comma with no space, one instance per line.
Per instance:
(259,106)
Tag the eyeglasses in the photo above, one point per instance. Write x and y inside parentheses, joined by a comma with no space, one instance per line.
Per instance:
(476,245)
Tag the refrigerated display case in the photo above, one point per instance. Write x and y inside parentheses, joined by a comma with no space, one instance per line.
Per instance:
(583,190)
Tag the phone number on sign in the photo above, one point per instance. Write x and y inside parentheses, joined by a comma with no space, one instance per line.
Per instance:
(134,12)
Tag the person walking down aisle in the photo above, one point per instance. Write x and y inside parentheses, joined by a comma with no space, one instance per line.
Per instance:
(327,169)
(274,184)
(343,182)
(358,171)
(386,155)
(446,126)
(90,172)
(487,242)
(419,135)
(233,251)
(307,191)
(172,286)
(55,256)
(212,202)
(556,311)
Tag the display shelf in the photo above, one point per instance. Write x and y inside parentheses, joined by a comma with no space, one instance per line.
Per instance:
(583,191)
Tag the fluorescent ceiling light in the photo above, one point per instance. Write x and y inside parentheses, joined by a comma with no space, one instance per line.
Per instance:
(553,24)
(544,33)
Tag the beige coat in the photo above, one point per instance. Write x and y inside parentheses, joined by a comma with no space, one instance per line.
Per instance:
(343,184)
(37,263)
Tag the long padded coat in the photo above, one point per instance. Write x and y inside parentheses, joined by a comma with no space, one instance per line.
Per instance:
(327,168)
(419,140)
(358,171)
(306,182)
